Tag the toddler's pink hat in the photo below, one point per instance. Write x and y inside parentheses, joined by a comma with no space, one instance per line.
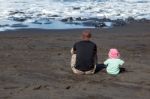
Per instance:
(113,53)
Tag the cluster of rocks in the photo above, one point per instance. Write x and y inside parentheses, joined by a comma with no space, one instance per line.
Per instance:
(21,17)
(95,22)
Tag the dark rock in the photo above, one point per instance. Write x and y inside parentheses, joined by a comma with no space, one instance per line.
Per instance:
(5,25)
(101,24)
(97,20)
(93,19)
(19,25)
(64,20)
(130,19)
(78,19)
(76,8)
(54,16)
(69,19)
(18,19)
(119,22)
(16,12)
(38,15)
(37,22)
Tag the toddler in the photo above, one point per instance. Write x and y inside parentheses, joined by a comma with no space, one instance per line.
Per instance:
(114,62)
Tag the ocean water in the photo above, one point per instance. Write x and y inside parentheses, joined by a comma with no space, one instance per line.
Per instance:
(49,14)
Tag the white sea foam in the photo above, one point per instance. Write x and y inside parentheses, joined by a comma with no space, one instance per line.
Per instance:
(32,10)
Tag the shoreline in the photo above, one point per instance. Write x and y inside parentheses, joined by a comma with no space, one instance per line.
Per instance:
(140,24)
(35,64)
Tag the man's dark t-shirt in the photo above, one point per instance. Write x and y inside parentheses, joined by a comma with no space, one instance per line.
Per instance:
(86,51)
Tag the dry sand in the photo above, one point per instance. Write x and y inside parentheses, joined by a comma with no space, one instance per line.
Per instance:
(35,64)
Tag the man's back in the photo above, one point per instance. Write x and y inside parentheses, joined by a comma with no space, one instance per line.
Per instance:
(86,52)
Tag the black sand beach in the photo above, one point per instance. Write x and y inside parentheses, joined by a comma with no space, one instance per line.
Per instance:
(35,64)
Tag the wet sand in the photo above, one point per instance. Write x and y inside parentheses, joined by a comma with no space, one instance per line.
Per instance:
(35,64)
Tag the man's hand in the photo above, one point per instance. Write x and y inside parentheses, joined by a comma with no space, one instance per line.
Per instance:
(72,51)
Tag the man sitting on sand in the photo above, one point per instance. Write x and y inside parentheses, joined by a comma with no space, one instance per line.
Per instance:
(84,55)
